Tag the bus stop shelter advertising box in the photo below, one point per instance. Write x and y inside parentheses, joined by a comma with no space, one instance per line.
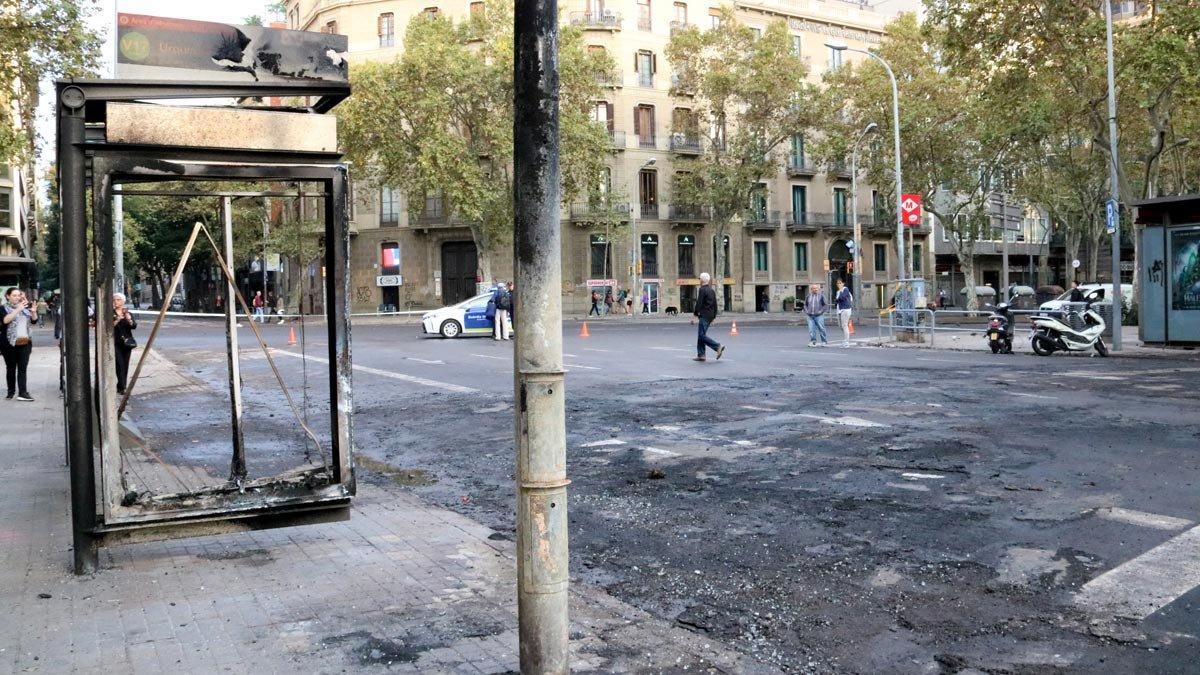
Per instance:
(1169,307)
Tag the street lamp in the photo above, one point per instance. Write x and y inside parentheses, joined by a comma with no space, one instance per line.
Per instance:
(637,244)
(1113,212)
(842,47)
(857,252)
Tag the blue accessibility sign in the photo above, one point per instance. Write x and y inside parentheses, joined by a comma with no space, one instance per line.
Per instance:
(1112,215)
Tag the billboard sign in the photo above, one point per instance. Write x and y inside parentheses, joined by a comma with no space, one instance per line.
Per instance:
(161,48)
(910,209)
(1185,270)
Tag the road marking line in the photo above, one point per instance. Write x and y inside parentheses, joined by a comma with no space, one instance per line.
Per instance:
(1142,586)
(665,427)
(601,444)
(570,356)
(1094,376)
(915,487)
(917,476)
(660,451)
(1018,393)
(759,409)
(429,361)
(845,421)
(446,386)
(576,365)
(588,349)
(489,356)
(1144,519)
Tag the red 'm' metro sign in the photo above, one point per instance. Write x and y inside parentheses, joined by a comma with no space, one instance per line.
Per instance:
(910,209)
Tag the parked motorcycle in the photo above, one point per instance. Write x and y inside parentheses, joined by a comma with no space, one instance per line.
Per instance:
(1000,329)
(1053,332)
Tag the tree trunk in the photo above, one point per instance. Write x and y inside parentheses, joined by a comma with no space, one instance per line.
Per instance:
(719,266)
(1093,254)
(1074,239)
(966,261)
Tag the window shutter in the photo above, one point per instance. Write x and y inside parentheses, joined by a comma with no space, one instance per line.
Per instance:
(635,61)
(609,106)
(637,121)
(653,63)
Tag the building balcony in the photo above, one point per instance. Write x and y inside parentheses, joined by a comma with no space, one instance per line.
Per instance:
(649,142)
(688,213)
(649,212)
(799,166)
(605,20)
(599,213)
(761,220)
(679,87)
(644,24)
(685,144)
(679,26)
(611,80)
(617,138)
(838,169)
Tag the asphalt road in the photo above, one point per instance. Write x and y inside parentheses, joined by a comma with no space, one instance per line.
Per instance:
(823,509)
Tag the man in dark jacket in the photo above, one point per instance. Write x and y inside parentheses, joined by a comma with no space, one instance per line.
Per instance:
(706,313)
(1076,292)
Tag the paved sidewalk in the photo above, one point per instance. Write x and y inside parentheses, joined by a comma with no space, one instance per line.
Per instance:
(402,586)
(974,341)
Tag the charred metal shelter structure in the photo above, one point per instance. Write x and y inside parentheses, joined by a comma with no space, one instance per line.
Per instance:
(90,157)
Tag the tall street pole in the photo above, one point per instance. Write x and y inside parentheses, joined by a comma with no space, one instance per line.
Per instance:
(119,240)
(539,399)
(1004,243)
(1114,192)
(857,253)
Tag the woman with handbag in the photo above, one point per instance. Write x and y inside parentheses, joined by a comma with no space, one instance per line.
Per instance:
(19,318)
(125,343)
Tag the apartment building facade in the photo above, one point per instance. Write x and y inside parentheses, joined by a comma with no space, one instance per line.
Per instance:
(797,230)
(17,227)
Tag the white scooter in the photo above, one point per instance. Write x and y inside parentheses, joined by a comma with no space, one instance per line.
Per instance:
(1053,333)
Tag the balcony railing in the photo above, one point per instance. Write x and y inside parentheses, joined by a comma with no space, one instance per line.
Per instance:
(677,26)
(649,212)
(840,169)
(617,138)
(799,166)
(685,143)
(678,85)
(434,215)
(688,213)
(644,23)
(604,20)
(757,219)
(599,212)
(614,78)
(647,141)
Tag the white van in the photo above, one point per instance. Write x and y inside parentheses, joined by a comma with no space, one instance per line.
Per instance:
(1091,293)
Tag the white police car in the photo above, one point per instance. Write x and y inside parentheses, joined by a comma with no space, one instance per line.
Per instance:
(468,317)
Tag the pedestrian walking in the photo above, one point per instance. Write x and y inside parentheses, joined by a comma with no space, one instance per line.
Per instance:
(272,306)
(845,310)
(503,303)
(257,303)
(512,304)
(628,302)
(608,301)
(123,341)
(645,302)
(814,308)
(56,310)
(704,314)
(17,344)
(595,304)
(1076,292)
(43,311)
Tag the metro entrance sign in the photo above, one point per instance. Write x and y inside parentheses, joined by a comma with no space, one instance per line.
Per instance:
(910,210)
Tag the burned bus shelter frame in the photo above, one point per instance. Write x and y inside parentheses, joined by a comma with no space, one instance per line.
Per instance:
(86,159)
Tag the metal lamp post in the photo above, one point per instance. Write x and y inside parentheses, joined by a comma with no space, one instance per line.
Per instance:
(637,243)
(836,46)
(1113,211)
(857,253)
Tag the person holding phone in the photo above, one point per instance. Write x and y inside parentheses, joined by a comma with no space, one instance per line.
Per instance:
(124,342)
(19,318)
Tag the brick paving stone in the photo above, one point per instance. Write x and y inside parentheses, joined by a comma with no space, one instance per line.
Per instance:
(402,581)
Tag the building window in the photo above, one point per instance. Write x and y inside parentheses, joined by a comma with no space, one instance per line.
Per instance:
(643,7)
(431,12)
(601,257)
(650,255)
(835,58)
(799,204)
(757,32)
(645,64)
(881,258)
(648,192)
(476,9)
(643,125)
(916,257)
(605,186)
(796,44)
(687,255)
(433,205)
(839,207)
(800,253)
(389,258)
(387,30)
(330,27)
(714,18)
(762,256)
(681,14)
(6,219)
(798,150)
(727,262)
(389,206)
(602,112)
(758,203)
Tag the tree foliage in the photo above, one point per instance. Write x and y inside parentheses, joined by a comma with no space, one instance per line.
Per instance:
(438,120)
(749,94)
(39,40)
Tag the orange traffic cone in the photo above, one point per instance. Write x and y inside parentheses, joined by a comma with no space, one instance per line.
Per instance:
(291,335)
(583,332)
(733,329)
(850,326)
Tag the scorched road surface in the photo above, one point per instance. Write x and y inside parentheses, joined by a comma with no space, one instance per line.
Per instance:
(833,510)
